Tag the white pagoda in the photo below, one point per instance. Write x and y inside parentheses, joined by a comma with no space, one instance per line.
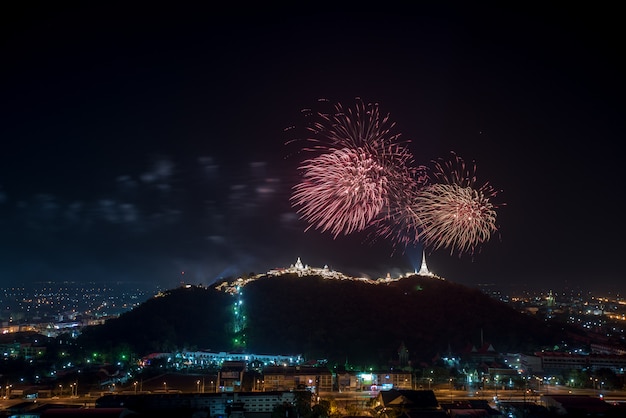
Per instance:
(424,268)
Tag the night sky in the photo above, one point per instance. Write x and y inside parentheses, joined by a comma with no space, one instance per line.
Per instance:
(138,143)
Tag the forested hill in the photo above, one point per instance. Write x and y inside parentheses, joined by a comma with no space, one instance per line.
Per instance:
(364,323)
(338,320)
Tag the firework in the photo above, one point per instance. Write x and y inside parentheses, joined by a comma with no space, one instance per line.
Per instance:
(342,191)
(453,211)
(355,179)
(399,222)
(353,127)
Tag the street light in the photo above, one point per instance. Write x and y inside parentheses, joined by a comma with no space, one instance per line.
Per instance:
(165,386)
(135,385)
(198,386)
(495,385)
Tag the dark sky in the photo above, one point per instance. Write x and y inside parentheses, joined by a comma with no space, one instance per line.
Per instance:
(141,142)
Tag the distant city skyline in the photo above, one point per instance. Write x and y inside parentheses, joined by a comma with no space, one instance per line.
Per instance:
(144,144)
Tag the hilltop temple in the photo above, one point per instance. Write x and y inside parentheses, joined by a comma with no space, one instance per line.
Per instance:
(423,268)
(301,269)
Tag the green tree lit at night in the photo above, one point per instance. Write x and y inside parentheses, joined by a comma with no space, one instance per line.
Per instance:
(239,321)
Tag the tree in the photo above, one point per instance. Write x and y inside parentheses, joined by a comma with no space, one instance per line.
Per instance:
(283,411)
(303,402)
(320,410)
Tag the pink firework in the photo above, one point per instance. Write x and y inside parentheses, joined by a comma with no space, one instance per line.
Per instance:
(453,211)
(400,222)
(360,127)
(355,178)
(342,191)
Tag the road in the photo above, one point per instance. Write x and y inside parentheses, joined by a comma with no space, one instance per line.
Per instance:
(362,399)
(445,395)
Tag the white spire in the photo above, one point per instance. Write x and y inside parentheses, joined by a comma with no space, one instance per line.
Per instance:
(299,265)
(423,268)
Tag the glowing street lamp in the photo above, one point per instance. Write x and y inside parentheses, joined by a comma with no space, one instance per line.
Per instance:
(495,385)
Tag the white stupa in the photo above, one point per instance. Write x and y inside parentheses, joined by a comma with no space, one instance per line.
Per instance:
(423,268)
(299,265)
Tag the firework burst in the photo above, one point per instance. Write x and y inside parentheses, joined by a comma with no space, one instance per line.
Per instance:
(453,211)
(399,222)
(342,191)
(355,179)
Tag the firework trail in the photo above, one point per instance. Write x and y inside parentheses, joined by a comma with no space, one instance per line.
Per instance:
(454,212)
(356,176)
(341,192)
(399,222)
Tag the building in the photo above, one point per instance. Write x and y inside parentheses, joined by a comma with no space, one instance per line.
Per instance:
(209,359)
(256,404)
(230,376)
(470,408)
(315,379)
(410,403)
(423,271)
(556,362)
(576,405)
(396,379)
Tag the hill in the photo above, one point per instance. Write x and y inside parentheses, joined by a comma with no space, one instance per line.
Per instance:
(343,319)
(338,320)
(180,318)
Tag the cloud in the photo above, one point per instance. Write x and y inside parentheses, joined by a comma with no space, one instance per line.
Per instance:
(160,174)
(196,219)
(209,168)
(126,183)
(268,187)
(116,212)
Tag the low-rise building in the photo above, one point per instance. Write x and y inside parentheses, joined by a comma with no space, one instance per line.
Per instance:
(259,404)
(393,403)
(315,379)
(555,362)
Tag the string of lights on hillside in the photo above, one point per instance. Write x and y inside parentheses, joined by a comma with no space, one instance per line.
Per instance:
(325,272)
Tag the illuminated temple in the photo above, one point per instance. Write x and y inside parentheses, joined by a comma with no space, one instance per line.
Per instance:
(423,271)
(300,269)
